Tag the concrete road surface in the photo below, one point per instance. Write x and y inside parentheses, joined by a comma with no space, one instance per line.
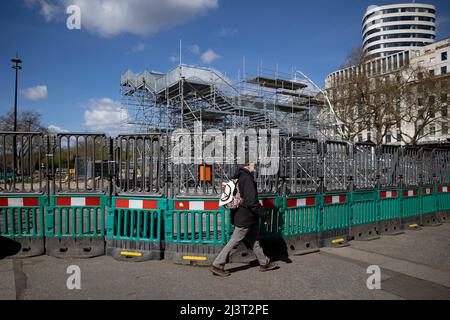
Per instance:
(415,265)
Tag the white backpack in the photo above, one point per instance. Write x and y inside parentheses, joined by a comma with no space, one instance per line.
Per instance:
(231,197)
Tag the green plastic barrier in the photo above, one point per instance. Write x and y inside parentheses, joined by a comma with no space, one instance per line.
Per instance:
(301,223)
(22,225)
(443,203)
(389,209)
(135,228)
(429,206)
(75,225)
(195,230)
(335,219)
(364,215)
(411,208)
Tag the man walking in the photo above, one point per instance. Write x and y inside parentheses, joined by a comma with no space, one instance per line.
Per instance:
(245,220)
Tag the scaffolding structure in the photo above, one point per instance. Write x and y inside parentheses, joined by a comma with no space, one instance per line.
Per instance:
(157,102)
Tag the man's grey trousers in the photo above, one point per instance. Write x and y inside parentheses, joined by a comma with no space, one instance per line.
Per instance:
(250,235)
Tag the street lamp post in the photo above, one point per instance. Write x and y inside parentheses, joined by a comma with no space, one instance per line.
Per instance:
(17,67)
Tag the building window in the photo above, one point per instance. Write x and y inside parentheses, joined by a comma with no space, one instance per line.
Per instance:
(444,97)
(369,136)
(389,138)
(431,72)
(444,128)
(433,131)
(444,70)
(444,112)
(419,102)
(399,135)
(444,56)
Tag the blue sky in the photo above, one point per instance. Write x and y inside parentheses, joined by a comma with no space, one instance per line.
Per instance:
(81,69)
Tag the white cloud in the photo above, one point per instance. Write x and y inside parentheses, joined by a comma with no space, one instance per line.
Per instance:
(138,48)
(104,115)
(110,18)
(36,93)
(195,49)
(174,59)
(209,56)
(227,32)
(55,129)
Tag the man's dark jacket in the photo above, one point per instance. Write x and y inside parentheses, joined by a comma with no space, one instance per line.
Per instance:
(246,216)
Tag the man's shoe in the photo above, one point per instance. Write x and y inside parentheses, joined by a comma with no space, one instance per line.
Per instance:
(219,272)
(268,267)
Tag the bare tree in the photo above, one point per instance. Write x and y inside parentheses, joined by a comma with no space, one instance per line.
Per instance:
(27,121)
(424,103)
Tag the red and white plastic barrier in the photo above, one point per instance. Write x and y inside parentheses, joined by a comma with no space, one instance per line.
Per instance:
(388,194)
(197,205)
(78,201)
(427,191)
(335,199)
(19,202)
(410,193)
(304,202)
(136,204)
(444,189)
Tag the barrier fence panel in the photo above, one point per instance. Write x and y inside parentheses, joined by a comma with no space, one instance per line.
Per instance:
(411,208)
(442,173)
(76,215)
(410,167)
(80,163)
(389,177)
(135,228)
(334,219)
(389,212)
(429,208)
(75,225)
(364,215)
(389,166)
(141,164)
(195,230)
(22,225)
(335,172)
(301,223)
(23,182)
(334,229)
(443,201)
(442,166)
(364,166)
(302,166)
(23,162)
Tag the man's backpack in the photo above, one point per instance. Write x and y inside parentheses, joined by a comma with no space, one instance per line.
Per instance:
(231,196)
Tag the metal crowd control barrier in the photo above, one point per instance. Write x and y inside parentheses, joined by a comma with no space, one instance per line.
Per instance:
(442,169)
(196,230)
(335,205)
(135,223)
(388,168)
(22,225)
(364,198)
(411,176)
(23,182)
(76,216)
(135,229)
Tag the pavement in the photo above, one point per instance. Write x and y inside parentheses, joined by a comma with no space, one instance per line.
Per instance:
(414,265)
